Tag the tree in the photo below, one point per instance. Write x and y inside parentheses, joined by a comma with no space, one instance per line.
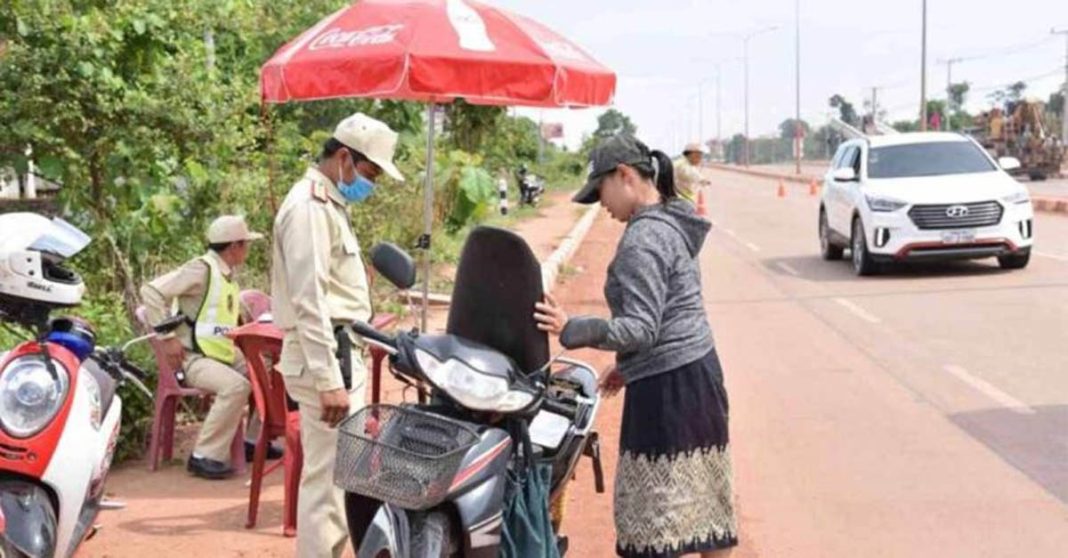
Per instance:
(1009,96)
(1055,105)
(906,126)
(958,95)
(613,122)
(847,113)
(468,126)
(787,129)
(735,149)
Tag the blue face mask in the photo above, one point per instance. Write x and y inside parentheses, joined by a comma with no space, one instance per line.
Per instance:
(356,191)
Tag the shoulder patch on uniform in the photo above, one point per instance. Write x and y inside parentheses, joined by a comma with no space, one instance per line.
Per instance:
(318,192)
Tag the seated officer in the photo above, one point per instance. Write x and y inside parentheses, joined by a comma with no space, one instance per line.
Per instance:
(205,291)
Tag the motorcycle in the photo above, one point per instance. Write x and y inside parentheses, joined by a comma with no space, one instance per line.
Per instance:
(60,414)
(531,187)
(441,469)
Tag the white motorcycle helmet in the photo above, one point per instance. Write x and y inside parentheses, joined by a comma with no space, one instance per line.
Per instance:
(32,251)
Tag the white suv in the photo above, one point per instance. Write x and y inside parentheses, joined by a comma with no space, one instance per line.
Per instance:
(923,196)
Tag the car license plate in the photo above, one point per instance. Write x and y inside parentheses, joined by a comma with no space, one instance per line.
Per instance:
(958,237)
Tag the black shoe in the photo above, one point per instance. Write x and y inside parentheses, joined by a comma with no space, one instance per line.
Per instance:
(208,468)
(272,452)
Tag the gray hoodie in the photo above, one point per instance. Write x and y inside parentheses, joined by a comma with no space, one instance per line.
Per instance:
(654,292)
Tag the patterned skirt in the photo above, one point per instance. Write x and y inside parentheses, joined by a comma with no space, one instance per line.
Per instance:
(673,491)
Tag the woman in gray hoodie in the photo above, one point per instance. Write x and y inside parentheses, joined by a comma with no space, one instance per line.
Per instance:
(673,492)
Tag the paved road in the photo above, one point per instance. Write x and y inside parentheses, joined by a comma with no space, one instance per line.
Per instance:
(1053,187)
(923,412)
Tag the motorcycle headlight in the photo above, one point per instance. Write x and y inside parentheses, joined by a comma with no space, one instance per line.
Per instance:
(471,388)
(881,204)
(30,396)
(1020,197)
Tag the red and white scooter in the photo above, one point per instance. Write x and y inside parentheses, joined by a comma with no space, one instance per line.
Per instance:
(59,412)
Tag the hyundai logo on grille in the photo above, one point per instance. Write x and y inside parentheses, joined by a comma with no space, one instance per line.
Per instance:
(957,212)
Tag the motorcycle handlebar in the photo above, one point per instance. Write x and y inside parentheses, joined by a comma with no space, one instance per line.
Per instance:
(558,408)
(366,331)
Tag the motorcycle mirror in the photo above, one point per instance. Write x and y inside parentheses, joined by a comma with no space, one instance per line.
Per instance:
(170,324)
(584,331)
(394,264)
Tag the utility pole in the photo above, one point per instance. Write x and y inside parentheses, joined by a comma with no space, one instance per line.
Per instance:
(701,112)
(798,130)
(745,152)
(745,44)
(719,108)
(949,87)
(874,105)
(923,73)
(1064,88)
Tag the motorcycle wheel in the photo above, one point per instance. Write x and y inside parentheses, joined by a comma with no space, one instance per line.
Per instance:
(432,536)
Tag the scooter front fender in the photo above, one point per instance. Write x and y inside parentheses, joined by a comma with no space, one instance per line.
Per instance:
(29,519)
(389,531)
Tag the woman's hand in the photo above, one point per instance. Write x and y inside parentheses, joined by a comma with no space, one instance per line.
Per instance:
(550,315)
(612,382)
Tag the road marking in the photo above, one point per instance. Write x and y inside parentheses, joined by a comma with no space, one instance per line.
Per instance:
(858,311)
(1051,256)
(989,390)
(730,233)
(788,269)
(752,246)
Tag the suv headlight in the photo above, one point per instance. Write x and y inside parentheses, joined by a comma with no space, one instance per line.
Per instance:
(882,204)
(1021,197)
(470,387)
(30,396)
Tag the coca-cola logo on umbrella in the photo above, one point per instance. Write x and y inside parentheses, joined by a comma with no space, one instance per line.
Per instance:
(339,38)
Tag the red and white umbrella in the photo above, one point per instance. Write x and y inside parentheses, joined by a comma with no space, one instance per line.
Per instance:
(435,51)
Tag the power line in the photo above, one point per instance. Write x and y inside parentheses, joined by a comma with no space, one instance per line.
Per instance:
(1011,82)
(1004,51)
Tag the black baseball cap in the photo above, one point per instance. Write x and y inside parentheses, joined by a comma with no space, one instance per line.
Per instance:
(621,149)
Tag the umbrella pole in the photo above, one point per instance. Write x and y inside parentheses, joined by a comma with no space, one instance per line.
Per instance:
(428,210)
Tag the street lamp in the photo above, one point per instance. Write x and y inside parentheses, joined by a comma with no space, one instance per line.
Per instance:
(745,45)
(923,73)
(798,131)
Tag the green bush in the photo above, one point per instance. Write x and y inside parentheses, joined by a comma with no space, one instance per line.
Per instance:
(150,142)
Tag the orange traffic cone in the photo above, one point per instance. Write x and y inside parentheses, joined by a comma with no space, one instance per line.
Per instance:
(702,210)
(782,189)
(813,188)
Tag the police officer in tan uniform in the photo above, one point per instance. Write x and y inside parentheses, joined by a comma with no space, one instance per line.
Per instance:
(688,177)
(205,291)
(319,287)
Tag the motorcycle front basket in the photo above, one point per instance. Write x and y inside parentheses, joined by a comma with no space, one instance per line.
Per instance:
(401,455)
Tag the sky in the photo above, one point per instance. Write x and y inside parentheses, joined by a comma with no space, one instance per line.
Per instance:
(664,50)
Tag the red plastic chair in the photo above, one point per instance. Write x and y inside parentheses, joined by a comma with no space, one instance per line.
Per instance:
(257,303)
(168,394)
(257,340)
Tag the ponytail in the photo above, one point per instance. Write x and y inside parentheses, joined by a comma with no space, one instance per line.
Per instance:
(664,176)
(659,169)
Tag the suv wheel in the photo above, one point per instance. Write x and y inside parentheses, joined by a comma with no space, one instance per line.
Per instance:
(863,264)
(828,249)
(1015,261)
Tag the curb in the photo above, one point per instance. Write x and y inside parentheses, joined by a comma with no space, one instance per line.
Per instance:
(550,268)
(1043,204)
(1050,205)
(797,179)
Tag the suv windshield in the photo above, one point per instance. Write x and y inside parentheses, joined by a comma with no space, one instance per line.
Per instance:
(927,159)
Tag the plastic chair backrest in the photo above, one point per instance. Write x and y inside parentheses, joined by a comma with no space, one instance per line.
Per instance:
(166,380)
(255,341)
(256,302)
